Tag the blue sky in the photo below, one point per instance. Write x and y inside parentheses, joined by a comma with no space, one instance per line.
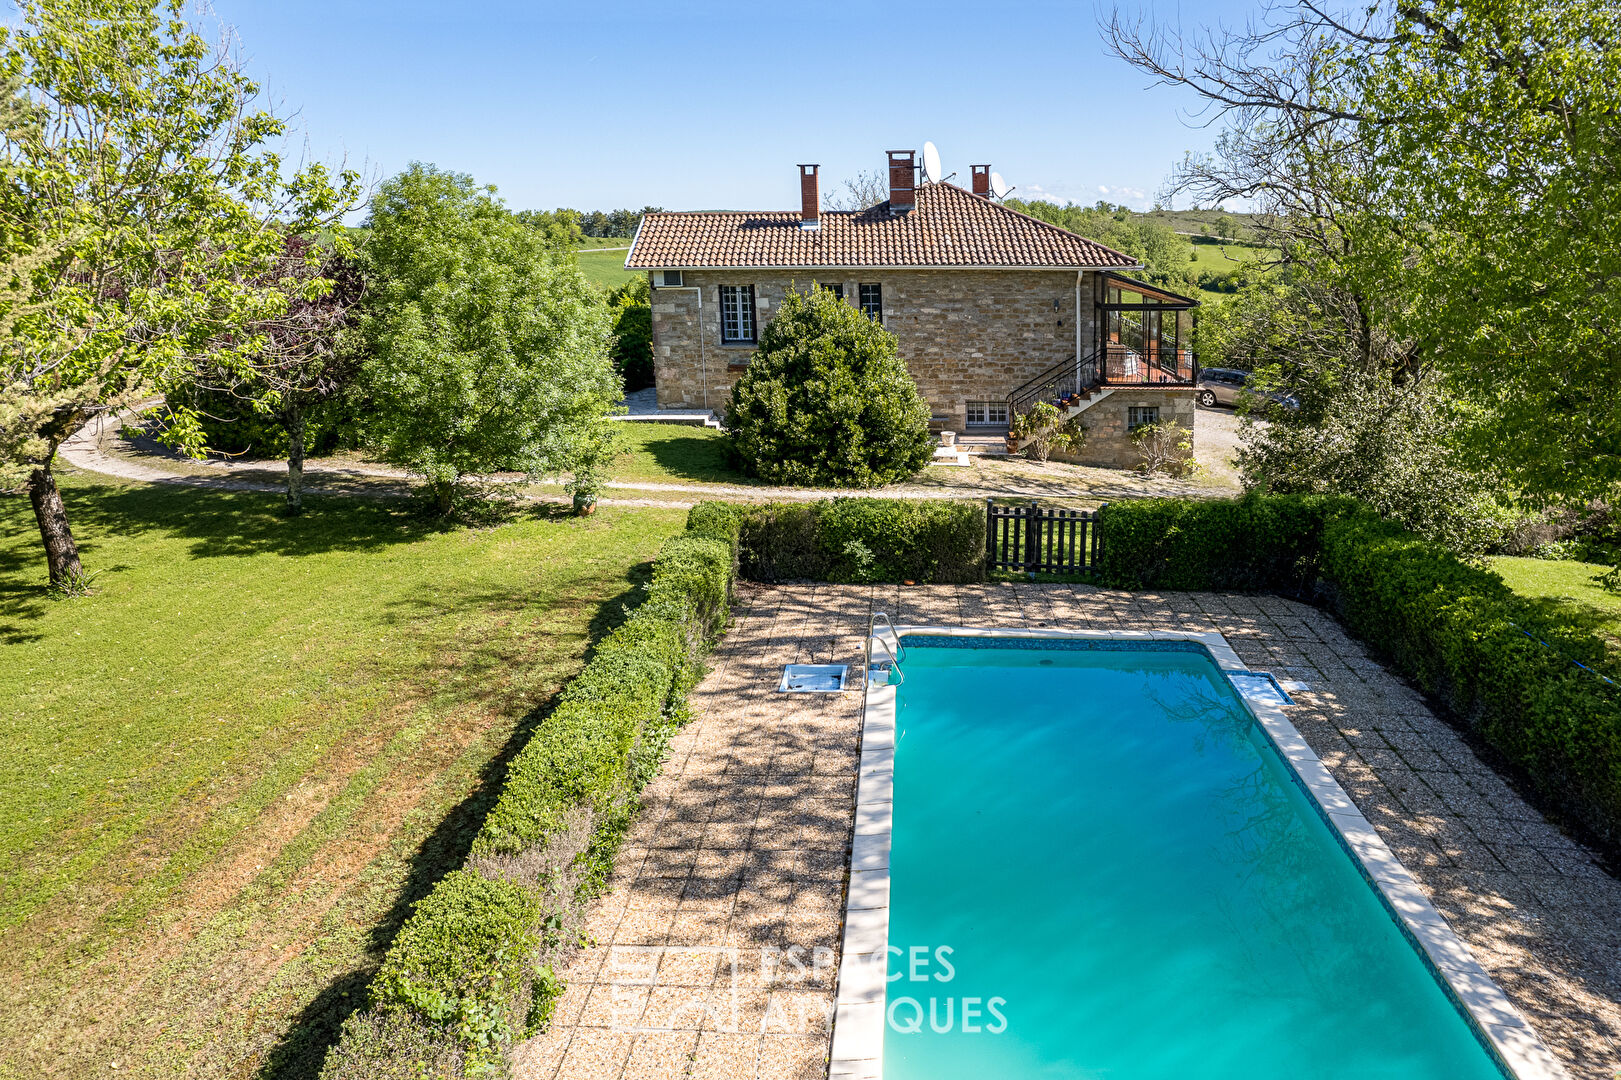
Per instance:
(599,105)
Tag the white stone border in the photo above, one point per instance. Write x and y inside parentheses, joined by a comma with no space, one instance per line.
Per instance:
(858,1025)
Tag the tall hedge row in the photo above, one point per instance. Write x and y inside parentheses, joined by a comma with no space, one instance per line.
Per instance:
(1489,657)
(464,978)
(1270,543)
(852,540)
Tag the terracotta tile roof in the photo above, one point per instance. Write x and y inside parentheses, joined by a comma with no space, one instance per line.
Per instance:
(948,227)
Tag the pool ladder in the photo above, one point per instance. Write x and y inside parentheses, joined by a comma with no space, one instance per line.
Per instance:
(895,655)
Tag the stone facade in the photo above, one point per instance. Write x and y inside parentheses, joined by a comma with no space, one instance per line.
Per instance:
(965,335)
(1108,423)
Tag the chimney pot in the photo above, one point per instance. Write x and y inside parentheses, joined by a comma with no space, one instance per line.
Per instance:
(810,197)
(982,180)
(902,180)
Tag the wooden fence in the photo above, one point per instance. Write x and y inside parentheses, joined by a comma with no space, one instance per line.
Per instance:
(1042,540)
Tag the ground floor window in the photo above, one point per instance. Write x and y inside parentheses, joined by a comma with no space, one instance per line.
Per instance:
(1138,415)
(986,413)
(737,313)
(834,287)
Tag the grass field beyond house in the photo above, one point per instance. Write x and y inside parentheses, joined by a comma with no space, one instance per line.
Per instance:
(606,265)
(1568,588)
(231,770)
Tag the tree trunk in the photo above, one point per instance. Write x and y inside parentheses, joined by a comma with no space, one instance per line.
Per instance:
(444,492)
(294,421)
(61,553)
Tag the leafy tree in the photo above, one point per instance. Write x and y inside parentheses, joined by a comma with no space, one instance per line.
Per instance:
(138,209)
(561,229)
(632,311)
(1385,442)
(1449,167)
(297,359)
(827,401)
(489,351)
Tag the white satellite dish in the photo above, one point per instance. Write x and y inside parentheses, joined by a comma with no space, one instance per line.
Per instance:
(999,187)
(931,164)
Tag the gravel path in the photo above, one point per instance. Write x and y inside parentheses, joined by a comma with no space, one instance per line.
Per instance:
(98,448)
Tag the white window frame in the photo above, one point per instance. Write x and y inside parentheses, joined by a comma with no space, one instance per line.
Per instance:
(985,413)
(738,322)
(1135,414)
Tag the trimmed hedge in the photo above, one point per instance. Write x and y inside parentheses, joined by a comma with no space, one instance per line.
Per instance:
(1461,635)
(1251,544)
(851,540)
(463,978)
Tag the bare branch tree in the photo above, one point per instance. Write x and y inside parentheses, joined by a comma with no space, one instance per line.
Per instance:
(864,189)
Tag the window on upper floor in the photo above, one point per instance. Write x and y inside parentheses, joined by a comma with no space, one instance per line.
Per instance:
(872,300)
(737,323)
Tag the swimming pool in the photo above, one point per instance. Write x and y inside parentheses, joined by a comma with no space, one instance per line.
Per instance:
(1100,864)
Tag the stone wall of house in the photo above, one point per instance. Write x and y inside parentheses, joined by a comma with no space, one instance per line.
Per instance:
(1108,422)
(966,335)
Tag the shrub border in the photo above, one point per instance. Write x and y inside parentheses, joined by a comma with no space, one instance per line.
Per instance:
(466,976)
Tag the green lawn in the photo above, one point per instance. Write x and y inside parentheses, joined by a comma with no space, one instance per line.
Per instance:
(1568,588)
(605,242)
(606,266)
(675,454)
(1224,257)
(231,770)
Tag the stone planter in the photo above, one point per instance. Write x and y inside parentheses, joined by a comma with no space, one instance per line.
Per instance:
(948,438)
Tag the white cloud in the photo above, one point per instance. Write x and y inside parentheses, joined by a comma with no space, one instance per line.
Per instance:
(1128,195)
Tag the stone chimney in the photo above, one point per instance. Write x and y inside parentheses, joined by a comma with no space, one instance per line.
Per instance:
(902,181)
(810,197)
(982,180)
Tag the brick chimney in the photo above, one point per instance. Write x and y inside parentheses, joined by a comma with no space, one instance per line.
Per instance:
(902,181)
(982,180)
(810,197)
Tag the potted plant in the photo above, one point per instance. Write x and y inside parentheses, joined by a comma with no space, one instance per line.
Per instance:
(585,487)
(1018,430)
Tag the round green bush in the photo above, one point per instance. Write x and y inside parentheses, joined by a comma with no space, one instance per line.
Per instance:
(826,401)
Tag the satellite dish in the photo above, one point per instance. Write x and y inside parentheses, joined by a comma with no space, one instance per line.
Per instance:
(931,164)
(999,187)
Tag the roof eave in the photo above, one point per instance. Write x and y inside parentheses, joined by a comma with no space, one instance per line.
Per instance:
(1095,268)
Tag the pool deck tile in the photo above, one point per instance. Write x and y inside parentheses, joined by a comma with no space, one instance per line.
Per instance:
(718,943)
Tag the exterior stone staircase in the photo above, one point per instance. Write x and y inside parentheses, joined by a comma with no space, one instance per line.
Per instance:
(1082,401)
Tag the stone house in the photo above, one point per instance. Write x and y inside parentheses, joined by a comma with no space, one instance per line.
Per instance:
(992,310)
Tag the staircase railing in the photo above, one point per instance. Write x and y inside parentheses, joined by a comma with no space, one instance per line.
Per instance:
(1056,383)
(1110,365)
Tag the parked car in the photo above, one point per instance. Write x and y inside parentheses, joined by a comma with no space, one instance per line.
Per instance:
(1225,386)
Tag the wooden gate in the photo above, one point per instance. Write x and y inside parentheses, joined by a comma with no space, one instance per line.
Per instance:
(1042,540)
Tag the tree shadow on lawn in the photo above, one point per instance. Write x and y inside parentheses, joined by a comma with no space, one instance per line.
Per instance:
(248,523)
(700,458)
(302,1050)
(1580,614)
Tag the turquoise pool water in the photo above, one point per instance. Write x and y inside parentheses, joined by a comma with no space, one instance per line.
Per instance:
(1108,847)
